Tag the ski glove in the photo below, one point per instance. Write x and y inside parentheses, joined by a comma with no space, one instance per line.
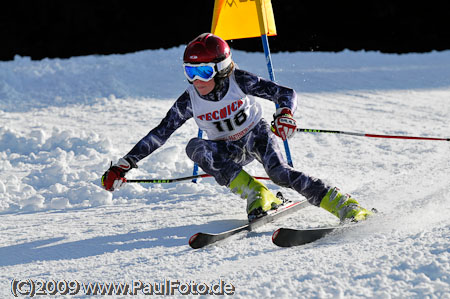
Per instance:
(283,124)
(114,177)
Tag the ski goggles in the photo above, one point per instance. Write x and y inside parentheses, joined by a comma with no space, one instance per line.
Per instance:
(204,71)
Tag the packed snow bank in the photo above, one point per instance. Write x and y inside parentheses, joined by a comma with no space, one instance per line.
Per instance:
(26,84)
(61,168)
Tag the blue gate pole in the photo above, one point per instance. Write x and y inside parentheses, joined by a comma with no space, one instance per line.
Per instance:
(265,43)
(195,172)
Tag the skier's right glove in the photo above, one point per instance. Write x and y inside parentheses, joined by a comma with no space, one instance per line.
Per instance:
(114,177)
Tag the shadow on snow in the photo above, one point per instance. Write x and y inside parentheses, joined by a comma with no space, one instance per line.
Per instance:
(53,249)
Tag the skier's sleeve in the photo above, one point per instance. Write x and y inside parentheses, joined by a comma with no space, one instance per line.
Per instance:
(178,114)
(254,85)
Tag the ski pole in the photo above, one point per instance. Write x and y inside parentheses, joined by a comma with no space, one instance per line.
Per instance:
(369,135)
(166,181)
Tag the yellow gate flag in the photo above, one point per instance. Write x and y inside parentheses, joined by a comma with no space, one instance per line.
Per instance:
(234,19)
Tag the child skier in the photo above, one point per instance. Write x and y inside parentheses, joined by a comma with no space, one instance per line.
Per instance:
(221,99)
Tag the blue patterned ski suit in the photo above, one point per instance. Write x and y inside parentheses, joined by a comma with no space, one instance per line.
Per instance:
(224,159)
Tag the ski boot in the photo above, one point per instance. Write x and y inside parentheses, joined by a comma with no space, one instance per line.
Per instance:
(259,198)
(343,206)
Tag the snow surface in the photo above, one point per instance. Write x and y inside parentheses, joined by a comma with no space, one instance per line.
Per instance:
(63,121)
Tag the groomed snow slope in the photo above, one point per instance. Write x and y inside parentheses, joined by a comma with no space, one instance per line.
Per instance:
(63,121)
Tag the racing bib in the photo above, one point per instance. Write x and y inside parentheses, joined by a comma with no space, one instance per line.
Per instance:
(228,119)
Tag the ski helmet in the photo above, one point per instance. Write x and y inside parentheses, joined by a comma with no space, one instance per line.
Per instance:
(209,48)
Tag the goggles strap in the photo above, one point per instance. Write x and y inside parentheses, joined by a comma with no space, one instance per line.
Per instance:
(223,64)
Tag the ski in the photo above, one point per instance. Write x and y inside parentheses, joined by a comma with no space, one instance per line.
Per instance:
(288,237)
(200,239)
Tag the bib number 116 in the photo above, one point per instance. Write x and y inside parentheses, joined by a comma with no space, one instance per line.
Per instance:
(231,123)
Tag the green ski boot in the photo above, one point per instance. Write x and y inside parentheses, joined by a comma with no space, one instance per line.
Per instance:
(343,206)
(259,198)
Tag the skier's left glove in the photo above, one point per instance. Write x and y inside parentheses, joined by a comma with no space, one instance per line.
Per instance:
(283,124)
(114,177)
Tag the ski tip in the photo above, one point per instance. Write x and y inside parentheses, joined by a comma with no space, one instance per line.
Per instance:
(279,237)
(275,234)
(192,241)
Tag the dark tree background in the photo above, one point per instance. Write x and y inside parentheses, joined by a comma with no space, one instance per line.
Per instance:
(66,28)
